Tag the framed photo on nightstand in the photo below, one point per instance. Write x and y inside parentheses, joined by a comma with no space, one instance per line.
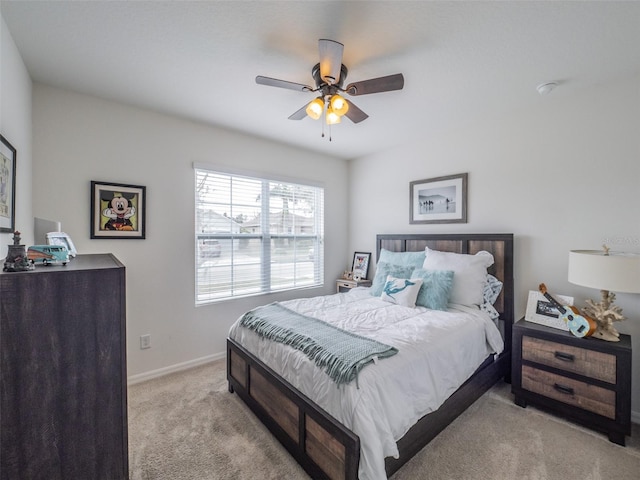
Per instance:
(540,310)
(360,266)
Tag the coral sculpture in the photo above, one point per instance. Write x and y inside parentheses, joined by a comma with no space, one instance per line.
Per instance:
(605,313)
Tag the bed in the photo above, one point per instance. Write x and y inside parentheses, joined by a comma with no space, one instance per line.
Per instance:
(324,446)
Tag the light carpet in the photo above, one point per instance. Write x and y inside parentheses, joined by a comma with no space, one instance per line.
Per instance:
(187,426)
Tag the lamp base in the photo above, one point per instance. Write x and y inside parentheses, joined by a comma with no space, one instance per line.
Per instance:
(607,335)
(605,313)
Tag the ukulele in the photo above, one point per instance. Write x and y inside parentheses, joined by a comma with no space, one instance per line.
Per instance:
(579,325)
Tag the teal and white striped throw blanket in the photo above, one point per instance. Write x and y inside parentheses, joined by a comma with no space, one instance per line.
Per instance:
(340,353)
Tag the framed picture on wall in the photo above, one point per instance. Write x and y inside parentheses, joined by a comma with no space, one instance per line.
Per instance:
(360,266)
(7,186)
(439,200)
(117,210)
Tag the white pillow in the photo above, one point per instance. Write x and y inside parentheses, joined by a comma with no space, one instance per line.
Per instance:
(401,291)
(469,277)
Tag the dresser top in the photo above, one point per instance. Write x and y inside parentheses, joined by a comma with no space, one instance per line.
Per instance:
(80,262)
(555,334)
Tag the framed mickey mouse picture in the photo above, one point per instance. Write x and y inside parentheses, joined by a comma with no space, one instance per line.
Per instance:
(117,211)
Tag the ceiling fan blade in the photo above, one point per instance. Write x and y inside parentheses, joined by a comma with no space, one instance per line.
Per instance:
(274,82)
(376,85)
(354,113)
(300,114)
(330,60)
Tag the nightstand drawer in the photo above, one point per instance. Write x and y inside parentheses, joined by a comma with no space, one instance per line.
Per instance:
(344,285)
(580,394)
(592,364)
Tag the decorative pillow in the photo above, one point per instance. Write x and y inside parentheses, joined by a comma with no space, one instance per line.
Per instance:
(382,270)
(492,289)
(401,291)
(436,288)
(470,273)
(406,259)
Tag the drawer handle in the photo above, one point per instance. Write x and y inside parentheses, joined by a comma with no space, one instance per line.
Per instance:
(565,357)
(563,389)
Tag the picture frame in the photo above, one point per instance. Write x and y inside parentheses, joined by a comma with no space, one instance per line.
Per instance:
(439,200)
(360,265)
(61,238)
(540,310)
(7,186)
(117,211)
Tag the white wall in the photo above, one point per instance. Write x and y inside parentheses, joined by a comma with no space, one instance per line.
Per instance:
(15,126)
(563,175)
(560,176)
(78,138)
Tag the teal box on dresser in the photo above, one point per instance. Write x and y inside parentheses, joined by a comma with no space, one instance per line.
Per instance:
(63,371)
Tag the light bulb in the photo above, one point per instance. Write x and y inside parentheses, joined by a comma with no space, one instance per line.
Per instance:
(332,117)
(315,107)
(339,105)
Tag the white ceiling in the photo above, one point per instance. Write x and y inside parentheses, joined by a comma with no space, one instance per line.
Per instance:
(462,61)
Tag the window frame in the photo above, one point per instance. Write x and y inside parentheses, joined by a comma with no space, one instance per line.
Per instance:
(266,237)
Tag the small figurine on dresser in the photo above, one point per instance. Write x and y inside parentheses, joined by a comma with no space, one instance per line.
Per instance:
(17,260)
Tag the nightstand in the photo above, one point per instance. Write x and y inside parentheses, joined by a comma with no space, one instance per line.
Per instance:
(344,285)
(583,379)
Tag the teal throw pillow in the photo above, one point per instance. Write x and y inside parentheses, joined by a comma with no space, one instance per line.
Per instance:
(436,288)
(382,270)
(405,259)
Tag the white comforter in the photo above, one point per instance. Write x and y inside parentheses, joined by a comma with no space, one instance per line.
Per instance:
(437,352)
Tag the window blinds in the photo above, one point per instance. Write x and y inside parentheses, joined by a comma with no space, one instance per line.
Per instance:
(255,235)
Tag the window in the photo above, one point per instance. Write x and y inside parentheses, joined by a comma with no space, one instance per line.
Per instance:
(256,235)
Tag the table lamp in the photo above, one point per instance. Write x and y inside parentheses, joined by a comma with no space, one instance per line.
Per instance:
(606,271)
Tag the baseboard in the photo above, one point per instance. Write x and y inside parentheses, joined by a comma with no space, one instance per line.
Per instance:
(143,377)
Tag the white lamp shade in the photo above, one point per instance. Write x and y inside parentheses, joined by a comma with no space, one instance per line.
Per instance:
(615,272)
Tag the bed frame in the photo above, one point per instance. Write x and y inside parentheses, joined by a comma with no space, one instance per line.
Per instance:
(324,447)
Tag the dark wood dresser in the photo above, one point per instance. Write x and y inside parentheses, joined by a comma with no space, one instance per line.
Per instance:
(584,379)
(63,372)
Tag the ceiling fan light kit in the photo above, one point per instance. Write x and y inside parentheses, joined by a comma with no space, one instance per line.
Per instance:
(329,75)
(332,116)
(339,105)
(315,108)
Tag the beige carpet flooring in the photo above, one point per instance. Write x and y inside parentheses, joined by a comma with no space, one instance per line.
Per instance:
(187,426)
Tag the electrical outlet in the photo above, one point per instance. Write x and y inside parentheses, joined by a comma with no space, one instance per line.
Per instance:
(145,341)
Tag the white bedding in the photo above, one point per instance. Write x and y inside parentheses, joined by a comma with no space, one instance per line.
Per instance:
(437,352)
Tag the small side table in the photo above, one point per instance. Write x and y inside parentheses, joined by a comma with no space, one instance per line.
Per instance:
(584,379)
(344,285)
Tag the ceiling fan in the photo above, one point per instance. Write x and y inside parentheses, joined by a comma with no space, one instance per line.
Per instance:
(329,75)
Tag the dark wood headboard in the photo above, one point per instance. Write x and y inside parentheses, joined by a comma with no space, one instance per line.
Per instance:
(500,245)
